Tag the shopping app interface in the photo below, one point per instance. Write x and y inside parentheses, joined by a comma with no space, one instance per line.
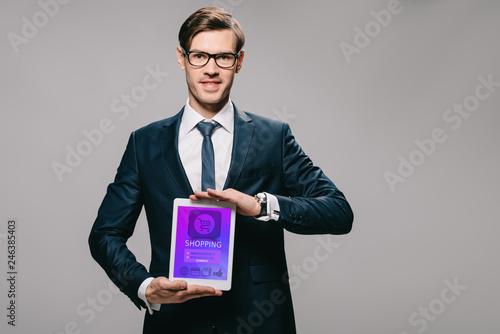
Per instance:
(202,245)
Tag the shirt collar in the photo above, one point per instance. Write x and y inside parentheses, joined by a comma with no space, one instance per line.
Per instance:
(190,118)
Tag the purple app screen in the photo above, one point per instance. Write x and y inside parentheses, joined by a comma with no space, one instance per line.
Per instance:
(202,244)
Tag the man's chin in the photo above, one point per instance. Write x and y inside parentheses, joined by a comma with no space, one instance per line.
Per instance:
(215,99)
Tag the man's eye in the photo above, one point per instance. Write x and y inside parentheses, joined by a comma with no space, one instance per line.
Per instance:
(225,57)
(199,56)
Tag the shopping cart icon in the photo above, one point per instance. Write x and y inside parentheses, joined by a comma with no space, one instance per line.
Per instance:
(204,223)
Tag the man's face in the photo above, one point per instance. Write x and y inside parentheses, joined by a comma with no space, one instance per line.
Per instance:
(209,86)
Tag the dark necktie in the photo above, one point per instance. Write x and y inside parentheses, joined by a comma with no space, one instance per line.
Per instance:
(207,155)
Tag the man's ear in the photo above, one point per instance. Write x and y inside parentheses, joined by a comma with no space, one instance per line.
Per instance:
(239,63)
(180,58)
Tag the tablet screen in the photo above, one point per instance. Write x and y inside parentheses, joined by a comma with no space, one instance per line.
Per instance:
(202,243)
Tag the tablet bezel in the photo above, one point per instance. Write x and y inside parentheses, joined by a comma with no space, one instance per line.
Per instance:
(224,285)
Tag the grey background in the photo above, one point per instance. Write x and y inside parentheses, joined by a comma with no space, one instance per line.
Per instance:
(353,119)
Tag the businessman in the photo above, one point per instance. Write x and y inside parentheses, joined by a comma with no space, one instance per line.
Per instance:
(211,150)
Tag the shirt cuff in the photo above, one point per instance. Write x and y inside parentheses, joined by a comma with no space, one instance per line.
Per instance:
(142,295)
(273,208)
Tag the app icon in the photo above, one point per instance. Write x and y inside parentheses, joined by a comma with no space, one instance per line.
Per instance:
(204,224)
(218,273)
(184,271)
(195,271)
(206,271)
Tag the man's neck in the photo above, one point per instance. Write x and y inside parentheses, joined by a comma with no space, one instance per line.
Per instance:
(207,110)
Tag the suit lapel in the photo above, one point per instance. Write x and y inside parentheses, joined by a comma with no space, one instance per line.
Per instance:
(169,147)
(243,133)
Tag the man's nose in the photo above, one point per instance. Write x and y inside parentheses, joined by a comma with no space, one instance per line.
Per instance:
(211,67)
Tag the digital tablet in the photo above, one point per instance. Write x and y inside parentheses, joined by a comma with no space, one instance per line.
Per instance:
(203,242)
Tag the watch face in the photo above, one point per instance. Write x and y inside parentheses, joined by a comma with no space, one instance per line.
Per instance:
(261,197)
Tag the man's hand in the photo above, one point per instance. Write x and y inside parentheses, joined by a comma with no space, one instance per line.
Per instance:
(246,205)
(161,290)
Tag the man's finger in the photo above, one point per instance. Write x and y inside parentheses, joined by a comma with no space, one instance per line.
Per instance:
(197,289)
(164,283)
(216,193)
(198,195)
(202,195)
(176,285)
(201,291)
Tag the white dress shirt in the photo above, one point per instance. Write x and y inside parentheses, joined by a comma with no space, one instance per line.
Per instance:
(191,139)
(189,147)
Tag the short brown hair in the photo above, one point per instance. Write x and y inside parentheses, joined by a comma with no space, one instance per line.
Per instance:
(206,19)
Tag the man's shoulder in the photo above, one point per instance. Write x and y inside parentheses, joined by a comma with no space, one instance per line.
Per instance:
(158,125)
(263,120)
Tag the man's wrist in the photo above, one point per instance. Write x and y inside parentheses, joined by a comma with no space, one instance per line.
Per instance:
(272,208)
(262,200)
(141,293)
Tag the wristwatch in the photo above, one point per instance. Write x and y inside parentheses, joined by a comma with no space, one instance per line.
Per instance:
(262,199)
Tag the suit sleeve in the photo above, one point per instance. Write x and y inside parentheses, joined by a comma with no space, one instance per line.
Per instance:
(115,224)
(314,204)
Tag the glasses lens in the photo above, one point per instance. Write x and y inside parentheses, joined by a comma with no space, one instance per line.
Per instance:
(225,60)
(198,59)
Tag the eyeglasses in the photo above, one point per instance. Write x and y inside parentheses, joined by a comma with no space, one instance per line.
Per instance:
(200,59)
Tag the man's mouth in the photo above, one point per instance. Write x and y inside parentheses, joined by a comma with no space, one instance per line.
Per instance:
(211,84)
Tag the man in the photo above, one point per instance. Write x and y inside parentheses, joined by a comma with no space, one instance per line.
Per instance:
(253,156)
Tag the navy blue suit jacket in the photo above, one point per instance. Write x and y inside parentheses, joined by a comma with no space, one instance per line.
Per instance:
(265,157)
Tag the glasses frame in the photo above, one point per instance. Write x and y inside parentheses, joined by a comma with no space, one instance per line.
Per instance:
(210,56)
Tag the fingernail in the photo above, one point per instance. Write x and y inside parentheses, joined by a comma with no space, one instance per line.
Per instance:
(183,285)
